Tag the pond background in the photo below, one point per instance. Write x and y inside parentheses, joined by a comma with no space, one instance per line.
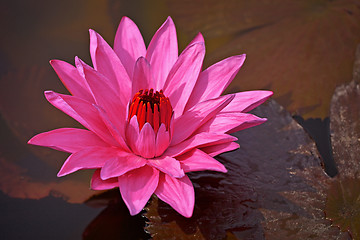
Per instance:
(300,50)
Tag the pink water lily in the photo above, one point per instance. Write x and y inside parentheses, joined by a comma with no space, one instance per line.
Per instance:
(150,115)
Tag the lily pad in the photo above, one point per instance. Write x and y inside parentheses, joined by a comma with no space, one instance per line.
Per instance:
(261,182)
(343,201)
(302,50)
(276,187)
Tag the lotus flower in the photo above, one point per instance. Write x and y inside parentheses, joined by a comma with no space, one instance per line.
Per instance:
(150,115)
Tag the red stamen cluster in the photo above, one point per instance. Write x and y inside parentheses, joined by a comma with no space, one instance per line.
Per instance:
(151,107)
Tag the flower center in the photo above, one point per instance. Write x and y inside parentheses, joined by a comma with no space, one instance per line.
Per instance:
(151,107)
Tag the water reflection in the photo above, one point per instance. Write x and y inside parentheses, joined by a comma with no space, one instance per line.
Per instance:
(47,218)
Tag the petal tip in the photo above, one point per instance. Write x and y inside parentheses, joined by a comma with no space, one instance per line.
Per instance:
(103,174)
(31,141)
(49,95)
(179,174)
(188,215)
(60,173)
(125,22)
(133,210)
(223,170)
(169,21)
(125,18)
(199,38)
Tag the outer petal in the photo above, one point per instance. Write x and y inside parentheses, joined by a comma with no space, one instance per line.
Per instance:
(137,186)
(146,141)
(72,80)
(188,123)
(106,97)
(108,63)
(198,140)
(217,149)
(98,184)
(123,163)
(163,52)
(83,112)
(129,44)
(197,160)
(213,81)
(142,78)
(167,165)
(183,76)
(162,140)
(230,122)
(246,101)
(178,193)
(68,139)
(88,158)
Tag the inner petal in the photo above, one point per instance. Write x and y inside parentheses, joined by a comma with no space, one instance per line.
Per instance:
(151,107)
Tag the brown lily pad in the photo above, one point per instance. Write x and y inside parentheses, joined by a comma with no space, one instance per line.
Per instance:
(301,50)
(343,201)
(276,187)
(262,186)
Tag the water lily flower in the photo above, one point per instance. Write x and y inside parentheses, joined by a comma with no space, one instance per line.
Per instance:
(150,115)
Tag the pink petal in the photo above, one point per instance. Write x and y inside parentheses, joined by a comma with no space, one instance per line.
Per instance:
(132,134)
(230,122)
(123,163)
(113,130)
(137,186)
(197,160)
(129,44)
(198,38)
(98,184)
(167,165)
(246,101)
(198,140)
(220,148)
(142,78)
(162,52)
(162,140)
(213,81)
(83,112)
(183,75)
(178,193)
(68,139)
(146,141)
(188,123)
(72,80)
(108,63)
(88,158)
(106,97)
